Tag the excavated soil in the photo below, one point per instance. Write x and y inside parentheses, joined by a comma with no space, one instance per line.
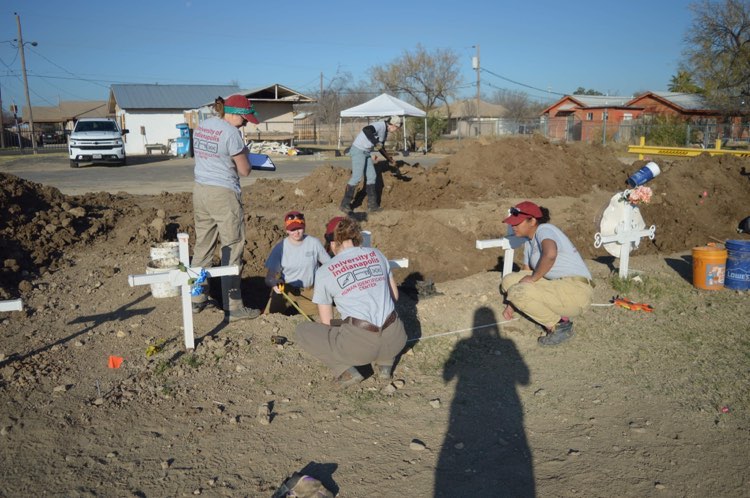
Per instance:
(637,404)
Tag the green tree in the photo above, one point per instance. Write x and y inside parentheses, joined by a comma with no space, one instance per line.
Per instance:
(683,82)
(426,77)
(583,91)
(718,52)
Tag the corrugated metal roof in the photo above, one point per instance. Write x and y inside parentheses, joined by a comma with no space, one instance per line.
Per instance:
(689,101)
(601,100)
(182,97)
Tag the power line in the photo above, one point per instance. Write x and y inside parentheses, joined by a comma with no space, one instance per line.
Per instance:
(523,84)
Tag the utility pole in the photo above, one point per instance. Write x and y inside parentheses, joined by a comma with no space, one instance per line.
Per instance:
(2,121)
(26,83)
(476,65)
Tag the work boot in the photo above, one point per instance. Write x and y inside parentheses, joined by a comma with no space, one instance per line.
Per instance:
(346,202)
(242,314)
(350,377)
(383,371)
(561,333)
(372,198)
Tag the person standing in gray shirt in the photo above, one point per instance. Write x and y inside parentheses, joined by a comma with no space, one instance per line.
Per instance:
(372,136)
(220,159)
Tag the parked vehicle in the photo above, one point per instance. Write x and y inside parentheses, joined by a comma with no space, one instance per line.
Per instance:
(96,140)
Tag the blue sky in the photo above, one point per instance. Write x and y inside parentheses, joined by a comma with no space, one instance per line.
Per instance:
(614,47)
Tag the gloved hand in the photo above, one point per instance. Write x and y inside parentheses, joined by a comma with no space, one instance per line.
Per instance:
(279,287)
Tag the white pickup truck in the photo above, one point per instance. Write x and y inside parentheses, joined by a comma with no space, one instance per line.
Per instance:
(96,140)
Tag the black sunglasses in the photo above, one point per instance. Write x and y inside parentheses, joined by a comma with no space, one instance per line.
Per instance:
(299,216)
(514,211)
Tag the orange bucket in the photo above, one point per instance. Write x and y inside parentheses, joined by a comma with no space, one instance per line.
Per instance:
(709,267)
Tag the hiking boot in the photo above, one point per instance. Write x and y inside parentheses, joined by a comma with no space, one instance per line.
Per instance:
(561,333)
(383,371)
(242,314)
(350,377)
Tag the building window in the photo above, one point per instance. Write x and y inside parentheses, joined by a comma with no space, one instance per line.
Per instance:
(589,116)
(627,116)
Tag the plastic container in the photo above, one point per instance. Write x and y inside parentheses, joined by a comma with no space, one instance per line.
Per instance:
(644,175)
(709,267)
(164,250)
(164,289)
(738,264)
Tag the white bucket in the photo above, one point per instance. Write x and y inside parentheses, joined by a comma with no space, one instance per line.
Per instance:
(164,250)
(164,289)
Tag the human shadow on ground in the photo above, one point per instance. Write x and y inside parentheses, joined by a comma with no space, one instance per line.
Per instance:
(485,452)
(120,314)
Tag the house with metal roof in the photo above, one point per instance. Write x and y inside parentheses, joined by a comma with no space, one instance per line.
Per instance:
(464,120)
(152,112)
(584,117)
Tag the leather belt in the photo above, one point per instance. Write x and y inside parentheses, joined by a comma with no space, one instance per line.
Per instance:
(584,280)
(364,324)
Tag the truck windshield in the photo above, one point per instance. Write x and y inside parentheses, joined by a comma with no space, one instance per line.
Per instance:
(96,126)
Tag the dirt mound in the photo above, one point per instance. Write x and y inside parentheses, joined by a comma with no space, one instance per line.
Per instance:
(438,212)
(38,223)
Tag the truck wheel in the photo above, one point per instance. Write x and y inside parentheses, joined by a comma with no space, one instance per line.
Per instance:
(73,164)
(124,161)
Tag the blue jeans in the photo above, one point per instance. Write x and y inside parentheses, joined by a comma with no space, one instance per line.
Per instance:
(361,163)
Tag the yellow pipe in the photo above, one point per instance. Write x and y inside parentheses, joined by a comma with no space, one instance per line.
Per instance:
(642,149)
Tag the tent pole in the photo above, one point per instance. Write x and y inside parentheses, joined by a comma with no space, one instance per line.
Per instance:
(404,133)
(425,134)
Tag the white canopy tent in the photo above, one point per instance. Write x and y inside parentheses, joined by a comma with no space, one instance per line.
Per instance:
(384,105)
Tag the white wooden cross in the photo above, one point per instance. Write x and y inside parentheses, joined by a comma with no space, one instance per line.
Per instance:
(626,234)
(179,278)
(509,244)
(392,263)
(12,305)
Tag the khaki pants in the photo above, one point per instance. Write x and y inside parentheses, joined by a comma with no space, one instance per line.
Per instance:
(546,301)
(219,217)
(347,345)
(301,297)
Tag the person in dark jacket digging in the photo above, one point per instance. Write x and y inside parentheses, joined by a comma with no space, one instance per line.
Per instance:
(372,136)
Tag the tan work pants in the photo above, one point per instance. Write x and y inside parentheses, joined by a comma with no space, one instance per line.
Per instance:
(546,301)
(347,345)
(219,217)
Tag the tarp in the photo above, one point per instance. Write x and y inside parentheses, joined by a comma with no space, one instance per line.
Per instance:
(384,105)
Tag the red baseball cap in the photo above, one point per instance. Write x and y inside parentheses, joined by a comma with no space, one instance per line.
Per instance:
(523,211)
(331,227)
(294,220)
(239,104)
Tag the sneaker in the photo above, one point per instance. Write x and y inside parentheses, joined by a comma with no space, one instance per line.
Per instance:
(383,371)
(350,377)
(242,314)
(562,332)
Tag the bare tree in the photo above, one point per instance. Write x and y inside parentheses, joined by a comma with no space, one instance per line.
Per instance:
(718,52)
(427,77)
(518,104)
